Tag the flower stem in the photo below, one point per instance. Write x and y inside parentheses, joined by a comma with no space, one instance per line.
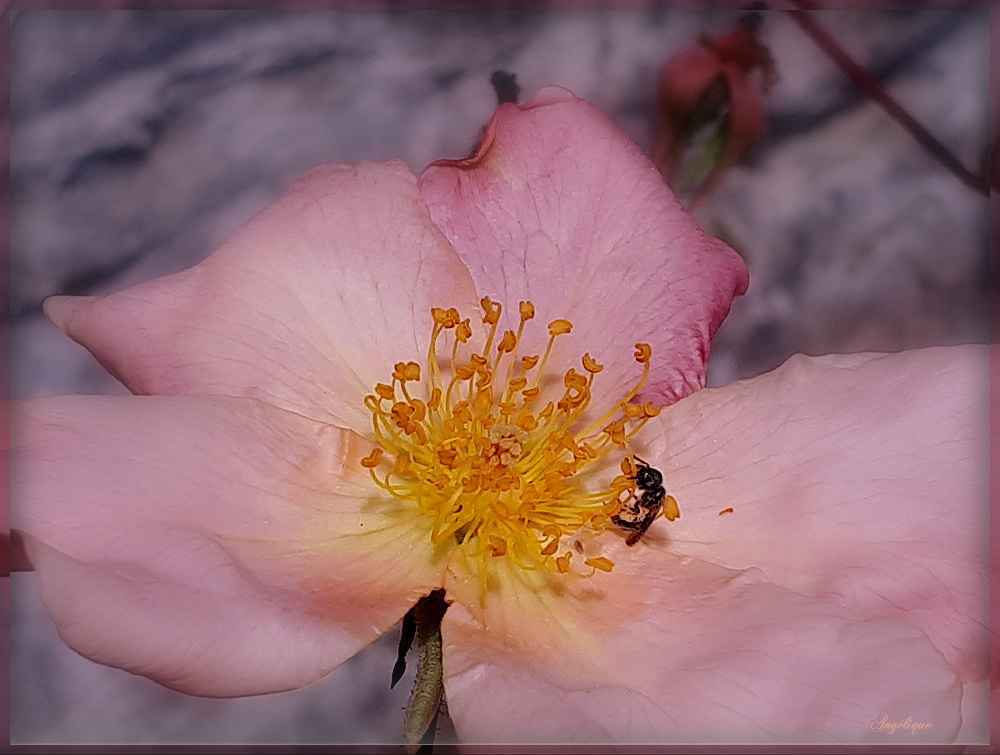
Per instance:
(428,688)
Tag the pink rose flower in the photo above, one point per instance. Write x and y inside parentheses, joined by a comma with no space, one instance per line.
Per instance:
(325,430)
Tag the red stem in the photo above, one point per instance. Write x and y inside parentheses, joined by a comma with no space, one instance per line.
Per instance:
(867,83)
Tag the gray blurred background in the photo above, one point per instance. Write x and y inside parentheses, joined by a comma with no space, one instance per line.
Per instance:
(141,139)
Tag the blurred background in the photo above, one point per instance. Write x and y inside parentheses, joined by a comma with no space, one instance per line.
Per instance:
(140,139)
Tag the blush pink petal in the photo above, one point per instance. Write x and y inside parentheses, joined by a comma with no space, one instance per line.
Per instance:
(859,479)
(677,650)
(559,207)
(994,684)
(306,306)
(217,545)
(848,581)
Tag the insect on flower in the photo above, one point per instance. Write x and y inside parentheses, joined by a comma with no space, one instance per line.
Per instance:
(644,509)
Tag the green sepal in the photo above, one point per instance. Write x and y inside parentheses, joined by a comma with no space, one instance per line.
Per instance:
(428,687)
(701,163)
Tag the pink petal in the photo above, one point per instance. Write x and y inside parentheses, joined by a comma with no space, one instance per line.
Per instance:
(994,722)
(666,649)
(219,546)
(559,207)
(858,479)
(306,306)
(840,471)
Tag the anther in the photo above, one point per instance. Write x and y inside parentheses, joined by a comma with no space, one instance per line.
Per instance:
(600,562)
(560,327)
(508,342)
(372,460)
(590,365)
(491,309)
(406,371)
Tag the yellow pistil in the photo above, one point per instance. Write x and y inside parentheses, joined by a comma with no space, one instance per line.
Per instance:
(502,473)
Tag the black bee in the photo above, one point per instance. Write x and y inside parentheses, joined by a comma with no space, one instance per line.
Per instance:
(646,508)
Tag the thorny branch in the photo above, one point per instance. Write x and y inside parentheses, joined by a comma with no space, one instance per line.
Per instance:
(868,84)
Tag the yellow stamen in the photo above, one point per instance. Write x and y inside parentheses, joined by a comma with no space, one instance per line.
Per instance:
(469,448)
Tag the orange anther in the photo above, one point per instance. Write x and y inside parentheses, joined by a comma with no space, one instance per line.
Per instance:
(508,342)
(562,562)
(371,460)
(419,410)
(406,371)
(526,420)
(559,327)
(670,508)
(617,431)
(403,465)
(435,400)
(491,309)
(517,384)
(590,365)
(447,456)
(573,379)
(633,411)
(600,562)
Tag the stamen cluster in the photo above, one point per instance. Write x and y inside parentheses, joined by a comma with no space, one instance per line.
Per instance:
(475,447)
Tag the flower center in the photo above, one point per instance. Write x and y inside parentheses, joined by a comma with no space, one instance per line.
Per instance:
(500,470)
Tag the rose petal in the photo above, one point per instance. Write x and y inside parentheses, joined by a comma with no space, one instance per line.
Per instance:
(219,546)
(994,712)
(861,480)
(678,650)
(559,207)
(306,306)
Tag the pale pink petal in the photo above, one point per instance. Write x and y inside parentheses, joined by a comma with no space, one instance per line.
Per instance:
(667,649)
(860,480)
(994,540)
(306,306)
(218,545)
(559,207)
